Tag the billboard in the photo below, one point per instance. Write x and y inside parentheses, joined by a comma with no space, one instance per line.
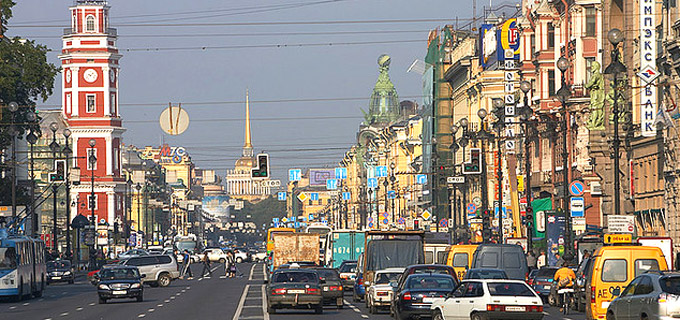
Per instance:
(487,43)
(554,233)
(318,177)
(216,206)
(507,37)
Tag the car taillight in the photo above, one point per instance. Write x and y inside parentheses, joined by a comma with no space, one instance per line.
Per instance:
(531,282)
(592,294)
(335,288)
(360,281)
(407,296)
(312,291)
(495,307)
(663,297)
(535,308)
(382,293)
(279,291)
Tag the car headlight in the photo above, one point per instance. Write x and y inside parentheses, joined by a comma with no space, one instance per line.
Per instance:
(135,285)
(67,273)
(104,287)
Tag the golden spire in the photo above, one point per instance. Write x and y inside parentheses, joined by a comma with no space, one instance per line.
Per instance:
(248,146)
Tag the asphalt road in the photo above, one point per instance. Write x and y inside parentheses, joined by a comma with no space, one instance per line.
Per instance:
(206,298)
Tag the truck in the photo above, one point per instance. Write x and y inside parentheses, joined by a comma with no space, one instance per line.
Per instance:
(436,247)
(294,247)
(391,249)
(663,243)
(346,245)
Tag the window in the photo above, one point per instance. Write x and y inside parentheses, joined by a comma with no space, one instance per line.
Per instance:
(669,284)
(591,21)
(164,259)
(644,265)
(630,289)
(89,202)
(509,289)
(429,257)
(551,36)
(68,103)
(615,270)
(551,83)
(533,43)
(589,64)
(115,158)
(91,105)
(645,286)
(489,260)
(113,104)
(469,289)
(91,151)
(89,23)
(511,261)
(441,257)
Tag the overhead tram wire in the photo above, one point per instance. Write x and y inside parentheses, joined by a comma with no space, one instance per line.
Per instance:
(253,34)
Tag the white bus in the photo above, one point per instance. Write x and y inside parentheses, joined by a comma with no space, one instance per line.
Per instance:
(324,233)
(23,271)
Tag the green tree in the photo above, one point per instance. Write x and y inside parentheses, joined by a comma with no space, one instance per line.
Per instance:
(25,77)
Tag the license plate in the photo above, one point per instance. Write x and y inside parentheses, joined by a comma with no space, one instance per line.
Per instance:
(605,304)
(511,308)
(119,292)
(428,300)
(56,278)
(296,291)
(546,287)
(325,289)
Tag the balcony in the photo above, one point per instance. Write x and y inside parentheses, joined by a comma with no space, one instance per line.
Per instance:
(111,32)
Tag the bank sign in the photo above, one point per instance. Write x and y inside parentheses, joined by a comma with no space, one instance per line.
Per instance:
(648,94)
(169,154)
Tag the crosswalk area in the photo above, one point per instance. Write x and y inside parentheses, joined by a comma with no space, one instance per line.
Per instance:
(253,300)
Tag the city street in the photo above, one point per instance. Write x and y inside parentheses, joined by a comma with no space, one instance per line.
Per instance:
(207,298)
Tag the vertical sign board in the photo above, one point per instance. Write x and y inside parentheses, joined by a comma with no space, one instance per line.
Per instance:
(647,58)
(554,234)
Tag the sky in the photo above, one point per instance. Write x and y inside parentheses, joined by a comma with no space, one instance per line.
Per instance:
(220,49)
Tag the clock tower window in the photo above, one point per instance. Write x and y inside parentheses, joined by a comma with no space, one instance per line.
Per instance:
(91,103)
(89,23)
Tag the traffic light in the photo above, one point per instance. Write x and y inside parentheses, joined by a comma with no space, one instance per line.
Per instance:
(474,166)
(416,224)
(486,226)
(262,169)
(59,174)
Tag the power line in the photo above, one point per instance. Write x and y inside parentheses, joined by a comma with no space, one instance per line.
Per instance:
(246,34)
(252,119)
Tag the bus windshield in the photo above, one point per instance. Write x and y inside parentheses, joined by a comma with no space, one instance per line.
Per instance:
(8,258)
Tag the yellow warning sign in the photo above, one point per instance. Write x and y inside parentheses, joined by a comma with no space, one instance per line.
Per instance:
(611,238)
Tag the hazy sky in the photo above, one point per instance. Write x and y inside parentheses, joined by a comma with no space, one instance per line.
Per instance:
(211,82)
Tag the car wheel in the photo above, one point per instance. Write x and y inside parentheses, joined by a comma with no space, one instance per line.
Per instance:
(222,260)
(164,280)
(140,298)
(399,316)
(610,316)
(438,315)
(319,308)
(477,316)
(102,301)
(239,260)
(552,301)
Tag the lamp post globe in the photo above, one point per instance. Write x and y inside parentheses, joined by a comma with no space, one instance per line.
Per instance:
(463,122)
(67,132)
(525,86)
(482,113)
(92,142)
(54,126)
(615,36)
(13,106)
(563,64)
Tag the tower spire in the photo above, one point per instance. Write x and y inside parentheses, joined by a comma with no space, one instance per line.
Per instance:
(247,146)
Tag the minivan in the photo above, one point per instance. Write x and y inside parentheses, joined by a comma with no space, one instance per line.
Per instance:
(613,268)
(460,258)
(507,257)
(160,270)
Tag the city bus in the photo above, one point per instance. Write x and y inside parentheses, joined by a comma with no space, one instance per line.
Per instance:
(324,233)
(23,270)
(271,232)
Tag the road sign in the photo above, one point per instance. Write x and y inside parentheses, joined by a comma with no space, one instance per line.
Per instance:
(578,224)
(648,74)
(302,197)
(401,220)
(294,174)
(340,173)
(284,219)
(385,221)
(471,208)
(370,224)
(443,223)
(421,179)
(346,196)
(314,196)
(618,238)
(372,183)
(292,219)
(370,219)
(391,194)
(385,214)
(275,220)
(381,171)
(455,180)
(282,196)
(324,221)
(297,225)
(621,223)
(310,217)
(426,215)
(577,205)
(331,184)
(576,188)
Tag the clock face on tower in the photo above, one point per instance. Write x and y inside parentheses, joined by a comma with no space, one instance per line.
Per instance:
(90,75)
(68,75)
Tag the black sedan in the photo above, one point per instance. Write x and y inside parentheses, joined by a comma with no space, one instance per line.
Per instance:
(331,287)
(294,289)
(60,271)
(416,294)
(120,282)
(542,281)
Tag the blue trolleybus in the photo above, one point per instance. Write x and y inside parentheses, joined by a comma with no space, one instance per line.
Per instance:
(22,266)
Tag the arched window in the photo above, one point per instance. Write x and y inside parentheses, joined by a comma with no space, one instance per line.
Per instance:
(89,23)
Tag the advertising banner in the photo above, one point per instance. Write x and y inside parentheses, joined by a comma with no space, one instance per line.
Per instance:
(507,38)
(217,206)
(540,206)
(555,228)
(318,177)
(487,43)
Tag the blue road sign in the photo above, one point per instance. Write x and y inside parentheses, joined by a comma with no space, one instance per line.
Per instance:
(576,188)
(294,174)
(340,173)
(275,220)
(385,215)
(471,208)
(370,224)
(421,179)
(443,223)
(391,194)
(282,196)
(381,171)
(401,220)
(276,225)
(314,196)
(346,196)
(292,219)
(331,184)
(372,183)
(385,221)
(577,205)
(324,221)
(310,217)
(370,219)
(297,225)
(505,212)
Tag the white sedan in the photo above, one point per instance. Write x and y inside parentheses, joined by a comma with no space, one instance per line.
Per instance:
(488,300)
(379,294)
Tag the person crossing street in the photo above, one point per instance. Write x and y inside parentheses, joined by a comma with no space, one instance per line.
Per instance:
(206,266)
(186,265)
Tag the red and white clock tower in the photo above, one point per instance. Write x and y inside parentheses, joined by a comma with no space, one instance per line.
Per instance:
(89,60)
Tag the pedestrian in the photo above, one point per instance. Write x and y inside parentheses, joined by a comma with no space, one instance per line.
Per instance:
(531,259)
(230,265)
(206,266)
(541,261)
(186,265)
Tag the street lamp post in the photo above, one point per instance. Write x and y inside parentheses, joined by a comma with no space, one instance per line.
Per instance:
(483,135)
(32,138)
(563,95)
(67,183)
(138,187)
(93,161)
(525,116)
(55,188)
(393,180)
(499,104)
(615,36)
(13,107)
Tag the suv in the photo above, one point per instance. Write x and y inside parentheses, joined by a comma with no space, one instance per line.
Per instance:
(215,255)
(652,295)
(160,270)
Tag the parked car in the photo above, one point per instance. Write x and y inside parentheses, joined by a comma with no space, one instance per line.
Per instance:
(241,255)
(379,295)
(294,289)
(530,277)
(160,270)
(347,272)
(331,286)
(215,255)
(484,273)
(359,290)
(259,255)
(507,257)
(543,280)
(120,282)
(132,253)
(580,284)
(490,300)
(653,295)
(60,271)
(416,294)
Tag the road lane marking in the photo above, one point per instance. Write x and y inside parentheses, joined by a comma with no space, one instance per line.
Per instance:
(12,307)
(364,316)
(79,309)
(141,316)
(355,309)
(264,303)
(239,308)
(167,301)
(91,304)
(159,305)
(63,314)
(27,303)
(251,272)
(172,298)
(152,310)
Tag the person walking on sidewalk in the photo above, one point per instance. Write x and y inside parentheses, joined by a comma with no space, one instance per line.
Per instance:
(186,265)
(206,266)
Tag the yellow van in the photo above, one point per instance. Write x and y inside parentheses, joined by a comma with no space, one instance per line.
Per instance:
(612,269)
(460,258)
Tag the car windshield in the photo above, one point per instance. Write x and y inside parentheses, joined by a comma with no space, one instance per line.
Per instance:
(119,274)
(384,278)
(486,274)
(8,258)
(348,267)
(546,272)
(59,264)
(670,284)
(286,277)
(328,274)
(509,289)
(432,270)
(426,282)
